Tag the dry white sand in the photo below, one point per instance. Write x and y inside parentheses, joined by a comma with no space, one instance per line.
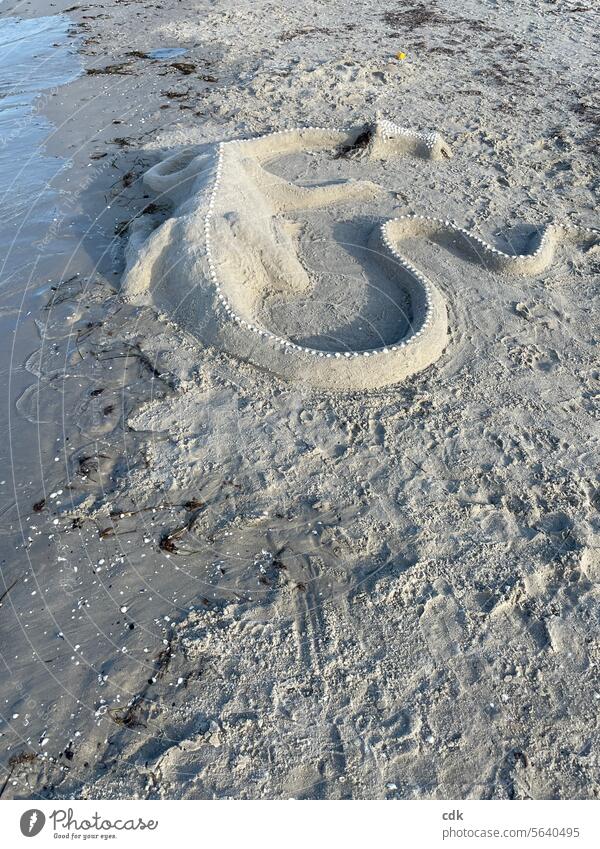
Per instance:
(276,573)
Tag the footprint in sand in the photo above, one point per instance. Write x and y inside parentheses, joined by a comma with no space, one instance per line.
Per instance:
(226,263)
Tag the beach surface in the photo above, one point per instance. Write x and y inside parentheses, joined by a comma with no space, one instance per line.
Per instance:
(299,491)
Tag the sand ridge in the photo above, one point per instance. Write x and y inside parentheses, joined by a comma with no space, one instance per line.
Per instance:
(249,252)
(237,248)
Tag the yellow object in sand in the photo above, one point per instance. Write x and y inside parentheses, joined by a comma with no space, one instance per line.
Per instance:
(401,55)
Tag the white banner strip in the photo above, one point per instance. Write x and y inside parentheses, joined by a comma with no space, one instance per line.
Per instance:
(303,824)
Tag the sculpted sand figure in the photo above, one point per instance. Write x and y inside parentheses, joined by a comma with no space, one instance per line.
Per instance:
(229,246)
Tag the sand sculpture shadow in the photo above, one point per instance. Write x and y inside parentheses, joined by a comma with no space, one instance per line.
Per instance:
(229,247)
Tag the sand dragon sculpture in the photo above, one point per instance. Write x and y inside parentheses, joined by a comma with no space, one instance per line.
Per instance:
(227,245)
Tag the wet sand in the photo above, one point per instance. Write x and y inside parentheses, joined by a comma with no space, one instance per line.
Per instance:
(219,583)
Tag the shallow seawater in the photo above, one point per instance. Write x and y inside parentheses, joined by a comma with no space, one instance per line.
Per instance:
(37,56)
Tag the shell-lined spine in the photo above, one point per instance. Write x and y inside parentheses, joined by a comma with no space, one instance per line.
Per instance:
(390,130)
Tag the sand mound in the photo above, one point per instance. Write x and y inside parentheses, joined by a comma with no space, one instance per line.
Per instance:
(226,265)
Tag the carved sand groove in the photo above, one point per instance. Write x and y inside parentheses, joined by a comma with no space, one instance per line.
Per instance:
(228,246)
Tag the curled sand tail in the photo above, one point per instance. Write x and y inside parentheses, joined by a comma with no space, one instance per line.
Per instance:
(475,248)
(229,248)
